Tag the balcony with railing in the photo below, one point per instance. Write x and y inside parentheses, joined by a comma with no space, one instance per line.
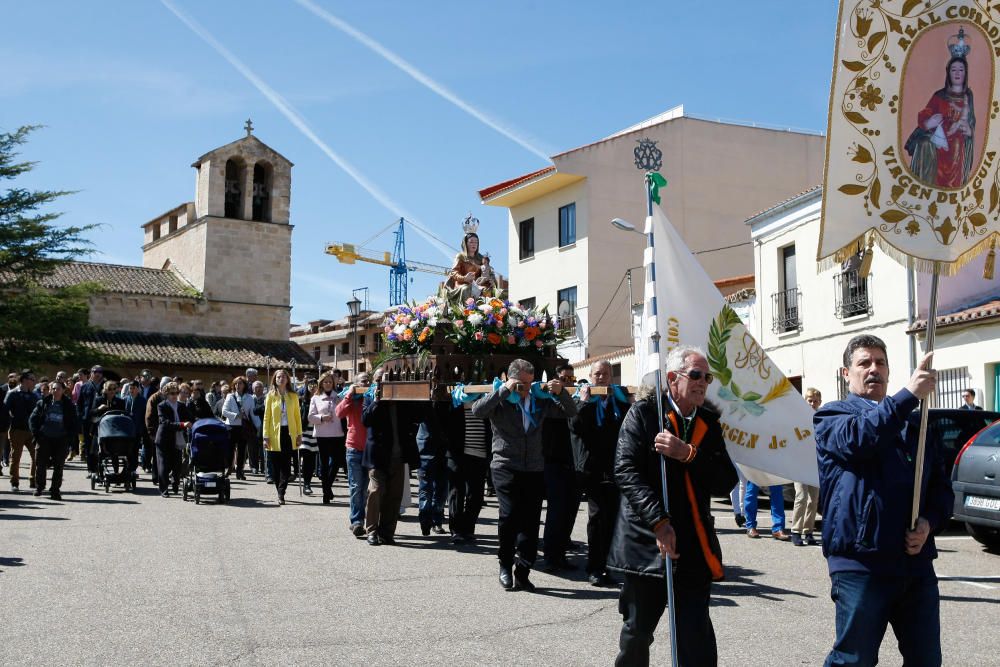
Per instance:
(786,310)
(851,294)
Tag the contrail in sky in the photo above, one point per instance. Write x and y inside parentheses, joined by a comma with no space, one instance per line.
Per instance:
(296,119)
(422,78)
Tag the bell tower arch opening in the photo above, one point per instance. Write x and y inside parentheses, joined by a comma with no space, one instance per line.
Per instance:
(235,176)
(263,176)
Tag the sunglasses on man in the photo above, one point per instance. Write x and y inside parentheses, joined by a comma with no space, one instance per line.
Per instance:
(697,375)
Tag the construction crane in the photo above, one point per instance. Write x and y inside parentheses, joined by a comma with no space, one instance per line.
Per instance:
(399,266)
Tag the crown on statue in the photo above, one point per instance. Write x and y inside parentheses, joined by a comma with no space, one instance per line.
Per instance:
(470,224)
(957,46)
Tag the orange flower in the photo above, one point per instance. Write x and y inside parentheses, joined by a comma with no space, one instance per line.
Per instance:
(496,303)
(493,339)
(407,334)
(422,337)
(531,333)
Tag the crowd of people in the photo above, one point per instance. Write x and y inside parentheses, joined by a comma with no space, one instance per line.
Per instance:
(559,442)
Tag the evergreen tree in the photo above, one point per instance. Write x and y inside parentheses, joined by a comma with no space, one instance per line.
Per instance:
(38,325)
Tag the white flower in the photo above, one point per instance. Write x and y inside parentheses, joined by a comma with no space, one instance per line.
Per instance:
(398,329)
(475,319)
(413,324)
(512,321)
(432,322)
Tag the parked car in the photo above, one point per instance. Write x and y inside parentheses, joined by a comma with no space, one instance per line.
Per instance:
(977,489)
(952,428)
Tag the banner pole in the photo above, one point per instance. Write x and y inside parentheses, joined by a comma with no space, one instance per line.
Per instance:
(918,472)
(668,570)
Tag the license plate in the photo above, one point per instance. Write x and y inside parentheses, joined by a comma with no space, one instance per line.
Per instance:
(982,503)
(209,485)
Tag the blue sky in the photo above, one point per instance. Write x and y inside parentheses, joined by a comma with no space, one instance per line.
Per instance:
(131,96)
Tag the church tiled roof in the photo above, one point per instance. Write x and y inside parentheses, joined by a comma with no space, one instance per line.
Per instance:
(190,350)
(122,279)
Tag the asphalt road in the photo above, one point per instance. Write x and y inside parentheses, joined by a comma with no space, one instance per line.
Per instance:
(127,578)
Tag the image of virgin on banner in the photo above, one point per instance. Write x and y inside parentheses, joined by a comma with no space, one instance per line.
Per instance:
(944,146)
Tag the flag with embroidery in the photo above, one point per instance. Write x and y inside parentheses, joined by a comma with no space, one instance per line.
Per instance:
(766,423)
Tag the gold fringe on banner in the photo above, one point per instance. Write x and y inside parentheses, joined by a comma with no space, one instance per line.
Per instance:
(866,260)
(921,265)
(990,261)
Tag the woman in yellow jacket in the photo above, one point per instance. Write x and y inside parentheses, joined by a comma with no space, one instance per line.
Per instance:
(282,429)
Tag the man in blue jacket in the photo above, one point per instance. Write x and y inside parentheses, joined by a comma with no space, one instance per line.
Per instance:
(881,570)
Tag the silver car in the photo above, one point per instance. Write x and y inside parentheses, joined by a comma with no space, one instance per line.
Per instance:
(977,489)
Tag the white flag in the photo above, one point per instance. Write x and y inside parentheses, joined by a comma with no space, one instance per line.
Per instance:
(766,423)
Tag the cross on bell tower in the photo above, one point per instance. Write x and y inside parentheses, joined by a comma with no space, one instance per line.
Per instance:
(248,126)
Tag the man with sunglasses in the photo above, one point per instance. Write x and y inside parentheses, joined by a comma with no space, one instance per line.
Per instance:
(689,444)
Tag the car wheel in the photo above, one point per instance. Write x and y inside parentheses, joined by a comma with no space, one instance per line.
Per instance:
(988,537)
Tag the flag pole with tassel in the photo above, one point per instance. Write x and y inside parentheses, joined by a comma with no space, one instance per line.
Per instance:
(648,158)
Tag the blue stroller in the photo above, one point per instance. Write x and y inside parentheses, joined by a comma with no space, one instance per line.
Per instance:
(210,456)
(117,443)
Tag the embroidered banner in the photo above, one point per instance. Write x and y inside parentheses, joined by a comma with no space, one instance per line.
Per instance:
(767,425)
(913,139)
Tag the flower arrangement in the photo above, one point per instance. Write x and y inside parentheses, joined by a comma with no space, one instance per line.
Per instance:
(489,324)
(410,328)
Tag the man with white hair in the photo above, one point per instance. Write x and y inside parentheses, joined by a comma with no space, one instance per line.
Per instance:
(690,446)
(516,414)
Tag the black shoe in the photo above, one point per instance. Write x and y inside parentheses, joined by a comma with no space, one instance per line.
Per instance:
(797,540)
(506,580)
(327,499)
(373,539)
(281,499)
(358,530)
(458,539)
(438,530)
(55,495)
(37,492)
(387,539)
(308,490)
(425,531)
(164,494)
(740,520)
(810,540)
(521,582)
(595,580)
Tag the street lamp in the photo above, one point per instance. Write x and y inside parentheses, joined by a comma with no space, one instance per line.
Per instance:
(354,309)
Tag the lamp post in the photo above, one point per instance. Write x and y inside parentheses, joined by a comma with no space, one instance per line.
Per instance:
(354,309)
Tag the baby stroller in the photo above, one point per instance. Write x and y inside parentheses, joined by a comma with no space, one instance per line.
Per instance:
(116,442)
(211,458)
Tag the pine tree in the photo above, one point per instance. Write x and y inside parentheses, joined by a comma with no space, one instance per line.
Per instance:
(38,325)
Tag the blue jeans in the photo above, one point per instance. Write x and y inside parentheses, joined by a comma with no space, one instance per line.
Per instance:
(357,485)
(867,603)
(777,507)
(432,491)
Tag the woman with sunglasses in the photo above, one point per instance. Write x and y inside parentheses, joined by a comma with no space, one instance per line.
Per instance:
(282,429)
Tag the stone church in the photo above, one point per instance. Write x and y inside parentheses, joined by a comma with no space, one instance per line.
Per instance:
(213,294)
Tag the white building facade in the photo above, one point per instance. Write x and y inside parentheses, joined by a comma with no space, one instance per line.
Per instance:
(805,317)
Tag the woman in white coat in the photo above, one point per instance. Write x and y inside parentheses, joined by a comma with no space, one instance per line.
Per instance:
(236,410)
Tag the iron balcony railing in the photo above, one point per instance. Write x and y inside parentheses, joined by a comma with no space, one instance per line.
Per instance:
(786,310)
(851,294)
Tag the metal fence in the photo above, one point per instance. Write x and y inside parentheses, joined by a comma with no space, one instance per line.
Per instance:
(851,295)
(951,383)
(786,310)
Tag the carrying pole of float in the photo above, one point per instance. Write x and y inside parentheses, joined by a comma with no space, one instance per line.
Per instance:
(918,465)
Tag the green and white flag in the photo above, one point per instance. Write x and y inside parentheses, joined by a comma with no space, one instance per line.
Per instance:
(766,423)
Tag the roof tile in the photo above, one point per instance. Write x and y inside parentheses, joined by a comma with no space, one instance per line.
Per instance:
(190,350)
(122,279)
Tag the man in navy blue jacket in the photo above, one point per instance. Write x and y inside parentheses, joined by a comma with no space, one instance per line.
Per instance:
(881,570)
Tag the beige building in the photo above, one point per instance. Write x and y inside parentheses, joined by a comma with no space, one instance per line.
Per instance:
(332,346)
(804,318)
(214,290)
(564,252)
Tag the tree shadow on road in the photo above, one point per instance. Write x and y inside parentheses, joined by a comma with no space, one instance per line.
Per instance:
(740,583)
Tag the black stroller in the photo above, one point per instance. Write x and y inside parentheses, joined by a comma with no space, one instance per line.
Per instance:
(211,458)
(117,442)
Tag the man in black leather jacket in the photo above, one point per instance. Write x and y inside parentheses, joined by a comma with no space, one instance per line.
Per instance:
(691,443)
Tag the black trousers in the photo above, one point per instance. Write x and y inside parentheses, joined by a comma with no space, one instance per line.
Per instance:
(642,601)
(283,462)
(239,442)
(562,502)
(602,512)
(50,452)
(255,454)
(519,495)
(465,493)
(332,457)
(169,460)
